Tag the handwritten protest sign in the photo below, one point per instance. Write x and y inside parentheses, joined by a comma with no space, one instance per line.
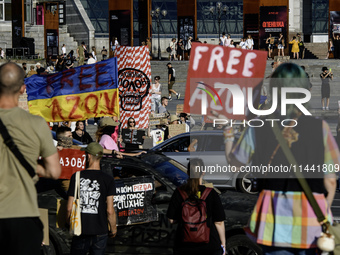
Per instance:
(158,119)
(134,78)
(132,200)
(71,161)
(179,108)
(133,136)
(23,101)
(177,129)
(222,79)
(75,94)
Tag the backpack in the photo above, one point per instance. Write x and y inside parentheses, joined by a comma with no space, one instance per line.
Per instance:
(194,218)
(168,49)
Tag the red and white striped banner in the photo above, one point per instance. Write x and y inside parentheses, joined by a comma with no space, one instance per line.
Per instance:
(134,80)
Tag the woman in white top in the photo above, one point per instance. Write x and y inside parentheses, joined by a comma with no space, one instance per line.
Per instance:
(94,53)
(156,93)
(232,45)
(173,49)
(2,53)
(250,43)
(223,39)
(188,46)
(228,40)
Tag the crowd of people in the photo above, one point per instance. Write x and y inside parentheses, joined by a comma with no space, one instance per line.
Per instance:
(31,136)
(177,49)
(66,61)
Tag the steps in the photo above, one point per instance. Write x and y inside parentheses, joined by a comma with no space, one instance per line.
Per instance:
(181,68)
(319,50)
(37,32)
(6,35)
(78,23)
(309,54)
(67,39)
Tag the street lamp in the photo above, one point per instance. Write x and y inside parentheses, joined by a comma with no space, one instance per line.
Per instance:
(219,10)
(157,13)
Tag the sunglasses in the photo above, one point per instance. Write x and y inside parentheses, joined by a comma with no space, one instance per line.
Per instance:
(132,122)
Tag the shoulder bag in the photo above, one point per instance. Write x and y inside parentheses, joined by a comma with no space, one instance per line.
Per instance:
(330,236)
(75,219)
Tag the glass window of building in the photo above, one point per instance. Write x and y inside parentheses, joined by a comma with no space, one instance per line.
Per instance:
(230,15)
(28,11)
(8,10)
(2,10)
(320,16)
(168,24)
(98,14)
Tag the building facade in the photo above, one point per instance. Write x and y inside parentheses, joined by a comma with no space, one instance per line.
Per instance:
(308,17)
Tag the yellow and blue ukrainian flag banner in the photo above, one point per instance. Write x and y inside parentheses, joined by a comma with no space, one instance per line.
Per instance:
(75,94)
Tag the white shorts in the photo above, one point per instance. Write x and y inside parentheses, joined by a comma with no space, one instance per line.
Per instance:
(280,47)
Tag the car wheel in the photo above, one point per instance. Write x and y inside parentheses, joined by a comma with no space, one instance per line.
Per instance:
(241,245)
(245,183)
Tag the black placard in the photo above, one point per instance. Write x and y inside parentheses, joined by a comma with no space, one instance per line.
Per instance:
(273,20)
(132,200)
(133,136)
(52,42)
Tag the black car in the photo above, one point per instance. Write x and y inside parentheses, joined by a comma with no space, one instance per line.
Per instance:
(155,237)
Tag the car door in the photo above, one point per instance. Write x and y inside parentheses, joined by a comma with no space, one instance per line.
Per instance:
(213,155)
(177,149)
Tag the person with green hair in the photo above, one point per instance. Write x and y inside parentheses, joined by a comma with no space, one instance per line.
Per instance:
(283,222)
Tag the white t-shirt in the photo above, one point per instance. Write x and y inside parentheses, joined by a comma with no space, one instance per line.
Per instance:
(243,45)
(159,89)
(223,40)
(250,44)
(73,126)
(173,48)
(63,49)
(227,42)
(188,45)
(157,136)
(91,61)
(94,55)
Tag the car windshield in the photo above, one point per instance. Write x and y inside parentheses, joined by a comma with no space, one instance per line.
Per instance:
(168,168)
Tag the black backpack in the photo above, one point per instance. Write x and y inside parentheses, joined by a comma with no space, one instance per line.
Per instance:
(194,218)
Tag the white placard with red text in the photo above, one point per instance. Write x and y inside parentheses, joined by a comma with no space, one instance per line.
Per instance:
(219,79)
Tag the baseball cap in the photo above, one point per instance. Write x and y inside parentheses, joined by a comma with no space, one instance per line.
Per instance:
(108,121)
(168,64)
(37,64)
(94,149)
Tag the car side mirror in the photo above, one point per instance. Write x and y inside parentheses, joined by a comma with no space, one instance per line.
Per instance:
(162,197)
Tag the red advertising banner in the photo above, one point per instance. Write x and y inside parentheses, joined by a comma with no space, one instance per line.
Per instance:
(134,80)
(71,161)
(223,80)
